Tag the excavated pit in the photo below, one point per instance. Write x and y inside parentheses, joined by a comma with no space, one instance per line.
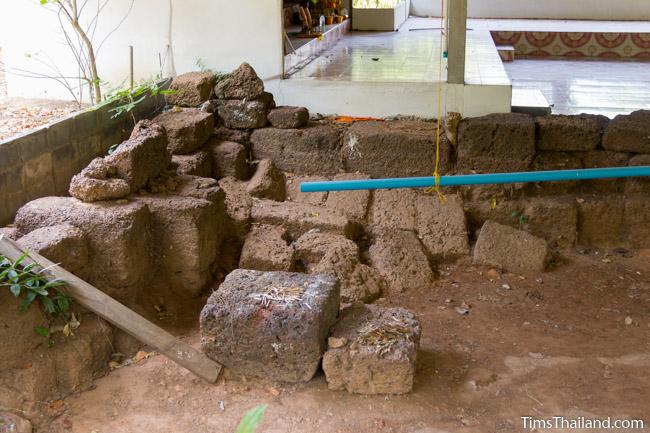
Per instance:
(194,195)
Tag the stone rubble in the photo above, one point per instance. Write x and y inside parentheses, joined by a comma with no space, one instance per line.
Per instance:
(267,182)
(191,89)
(171,205)
(266,249)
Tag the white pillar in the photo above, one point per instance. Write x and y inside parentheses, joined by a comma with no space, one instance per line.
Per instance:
(457,38)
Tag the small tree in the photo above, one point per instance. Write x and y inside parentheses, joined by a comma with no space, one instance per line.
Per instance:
(78,21)
(72,14)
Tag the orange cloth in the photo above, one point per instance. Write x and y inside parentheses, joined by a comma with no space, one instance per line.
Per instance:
(350,119)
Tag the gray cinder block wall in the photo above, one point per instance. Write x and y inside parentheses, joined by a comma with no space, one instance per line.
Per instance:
(42,162)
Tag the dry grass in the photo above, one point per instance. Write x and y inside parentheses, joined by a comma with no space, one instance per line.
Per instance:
(381,336)
(279,296)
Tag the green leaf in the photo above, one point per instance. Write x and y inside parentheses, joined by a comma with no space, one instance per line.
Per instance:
(251,420)
(54,283)
(15,289)
(29,299)
(63,303)
(29,267)
(113,148)
(40,291)
(42,331)
(48,304)
(12,275)
(21,259)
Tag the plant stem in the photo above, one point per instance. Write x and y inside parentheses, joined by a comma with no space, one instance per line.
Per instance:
(74,21)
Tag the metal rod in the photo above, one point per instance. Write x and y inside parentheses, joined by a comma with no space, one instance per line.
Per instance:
(477,179)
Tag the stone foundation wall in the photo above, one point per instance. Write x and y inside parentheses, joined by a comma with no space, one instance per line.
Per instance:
(42,162)
(565,213)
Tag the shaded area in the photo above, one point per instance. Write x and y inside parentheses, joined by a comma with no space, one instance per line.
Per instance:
(553,345)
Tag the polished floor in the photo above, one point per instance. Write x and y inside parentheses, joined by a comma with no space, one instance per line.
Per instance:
(402,56)
(411,54)
(586,86)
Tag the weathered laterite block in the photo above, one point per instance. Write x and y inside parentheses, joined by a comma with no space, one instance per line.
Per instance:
(194,164)
(510,249)
(242,83)
(335,255)
(373,350)
(496,143)
(354,204)
(394,149)
(272,325)
(187,234)
(629,133)
(228,159)
(187,129)
(117,233)
(243,114)
(266,249)
(442,227)
(191,89)
(64,244)
(311,150)
(289,117)
(399,257)
(238,204)
(299,218)
(580,132)
(268,182)
(142,157)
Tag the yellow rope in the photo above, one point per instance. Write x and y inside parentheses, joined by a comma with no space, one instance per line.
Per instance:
(436,173)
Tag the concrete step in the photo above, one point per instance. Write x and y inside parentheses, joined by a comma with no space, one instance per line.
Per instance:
(530,101)
(506,52)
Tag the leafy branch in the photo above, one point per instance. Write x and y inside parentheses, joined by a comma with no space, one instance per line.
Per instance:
(130,98)
(27,283)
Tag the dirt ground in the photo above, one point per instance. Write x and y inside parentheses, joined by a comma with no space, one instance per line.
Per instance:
(574,341)
(20,115)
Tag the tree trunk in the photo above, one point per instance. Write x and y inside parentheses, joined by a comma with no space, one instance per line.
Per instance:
(74,21)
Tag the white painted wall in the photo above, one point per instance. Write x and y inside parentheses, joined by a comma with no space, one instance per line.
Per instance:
(222,33)
(553,9)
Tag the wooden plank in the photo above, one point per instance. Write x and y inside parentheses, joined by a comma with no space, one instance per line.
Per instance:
(119,315)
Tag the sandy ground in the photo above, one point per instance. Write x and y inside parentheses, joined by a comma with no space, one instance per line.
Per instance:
(572,342)
(20,115)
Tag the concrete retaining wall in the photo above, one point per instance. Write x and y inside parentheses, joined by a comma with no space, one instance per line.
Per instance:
(42,162)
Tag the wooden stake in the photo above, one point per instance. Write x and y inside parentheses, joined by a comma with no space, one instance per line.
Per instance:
(131,66)
(127,320)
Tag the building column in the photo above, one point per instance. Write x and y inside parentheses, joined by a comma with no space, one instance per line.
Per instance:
(457,39)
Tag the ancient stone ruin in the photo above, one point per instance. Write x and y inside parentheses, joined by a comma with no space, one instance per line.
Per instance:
(206,195)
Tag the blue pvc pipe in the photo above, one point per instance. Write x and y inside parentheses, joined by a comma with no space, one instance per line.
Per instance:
(477,179)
